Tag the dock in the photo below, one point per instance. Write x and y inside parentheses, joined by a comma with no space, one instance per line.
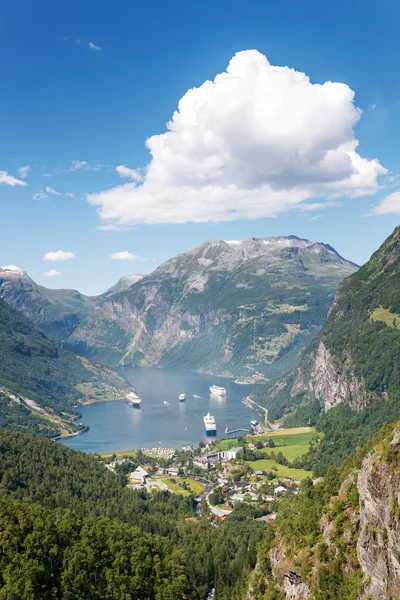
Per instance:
(227,432)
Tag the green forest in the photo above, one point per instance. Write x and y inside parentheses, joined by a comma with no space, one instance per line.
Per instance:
(70,529)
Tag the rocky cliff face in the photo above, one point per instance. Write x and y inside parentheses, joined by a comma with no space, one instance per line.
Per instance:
(353,358)
(242,308)
(356,553)
(379,540)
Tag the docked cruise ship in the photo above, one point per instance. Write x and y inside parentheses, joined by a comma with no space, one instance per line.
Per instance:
(133,399)
(210,425)
(216,389)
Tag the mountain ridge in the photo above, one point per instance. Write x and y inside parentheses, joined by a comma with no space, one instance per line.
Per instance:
(183,314)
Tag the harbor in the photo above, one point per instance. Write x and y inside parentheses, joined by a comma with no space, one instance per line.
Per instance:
(162,420)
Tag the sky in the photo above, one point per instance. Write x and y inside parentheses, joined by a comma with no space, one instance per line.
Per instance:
(130,132)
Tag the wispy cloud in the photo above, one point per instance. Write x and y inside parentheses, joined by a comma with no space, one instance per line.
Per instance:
(50,190)
(70,195)
(124,171)
(52,273)
(40,195)
(77,165)
(10,180)
(23,172)
(315,218)
(124,255)
(58,255)
(390,205)
(93,46)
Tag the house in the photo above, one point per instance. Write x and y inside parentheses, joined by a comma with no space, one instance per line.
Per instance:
(173,471)
(252,447)
(231,454)
(259,472)
(139,476)
(280,490)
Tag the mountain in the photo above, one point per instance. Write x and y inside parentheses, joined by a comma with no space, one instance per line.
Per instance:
(56,312)
(241,308)
(122,284)
(354,358)
(41,384)
(339,538)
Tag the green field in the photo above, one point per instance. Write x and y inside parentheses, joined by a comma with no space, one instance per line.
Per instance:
(282,471)
(196,487)
(289,452)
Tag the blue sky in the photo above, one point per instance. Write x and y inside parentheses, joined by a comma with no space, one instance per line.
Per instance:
(76,113)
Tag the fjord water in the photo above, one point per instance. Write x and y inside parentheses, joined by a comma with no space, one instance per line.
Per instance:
(117,426)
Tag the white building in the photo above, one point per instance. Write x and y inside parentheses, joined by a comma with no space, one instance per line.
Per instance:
(231,454)
(138,476)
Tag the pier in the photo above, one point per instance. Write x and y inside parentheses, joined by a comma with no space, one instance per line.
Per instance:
(235,431)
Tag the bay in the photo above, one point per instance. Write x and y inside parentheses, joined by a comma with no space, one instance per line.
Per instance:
(161,420)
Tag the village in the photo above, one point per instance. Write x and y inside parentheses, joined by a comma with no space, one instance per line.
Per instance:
(255,470)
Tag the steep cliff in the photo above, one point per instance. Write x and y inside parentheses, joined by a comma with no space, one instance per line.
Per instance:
(345,547)
(242,308)
(354,357)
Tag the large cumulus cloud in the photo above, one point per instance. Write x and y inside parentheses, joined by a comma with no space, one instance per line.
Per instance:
(257,141)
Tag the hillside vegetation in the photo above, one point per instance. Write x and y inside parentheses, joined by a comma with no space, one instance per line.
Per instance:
(39,381)
(70,529)
(347,383)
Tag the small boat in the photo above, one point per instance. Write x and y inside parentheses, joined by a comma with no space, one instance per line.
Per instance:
(166,403)
(195,396)
(182,397)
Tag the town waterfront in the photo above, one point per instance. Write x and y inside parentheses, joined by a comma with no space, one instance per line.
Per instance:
(161,419)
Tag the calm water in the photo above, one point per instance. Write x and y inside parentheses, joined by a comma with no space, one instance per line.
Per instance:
(118,426)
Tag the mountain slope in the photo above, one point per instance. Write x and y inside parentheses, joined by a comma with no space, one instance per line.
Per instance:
(40,383)
(339,539)
(56,312)
(355,357)
(122,284)
(242,308)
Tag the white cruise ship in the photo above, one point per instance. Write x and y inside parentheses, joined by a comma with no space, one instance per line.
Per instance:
(182,397)
(134,399)
(210,425)
(216,389)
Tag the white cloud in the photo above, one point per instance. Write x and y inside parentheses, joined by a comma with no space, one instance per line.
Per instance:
(58,255)
(93,46)
(52,273)
(257,141)
(50,190)
(12,268)
(10,180)
(372,107)
(23,172)
(70,195)
(40,195)
(125,255)
(389,205)
(124,171)
(77,165)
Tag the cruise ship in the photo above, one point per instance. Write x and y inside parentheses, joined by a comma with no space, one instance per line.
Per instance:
(216,389)
(182,397)
(133,399)
(210,425)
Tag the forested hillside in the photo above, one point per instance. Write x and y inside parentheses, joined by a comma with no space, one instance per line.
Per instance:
(339,538)
(72,530)
(348,381)
(40,383)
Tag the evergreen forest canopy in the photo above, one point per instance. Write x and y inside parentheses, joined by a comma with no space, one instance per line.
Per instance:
(72,530)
